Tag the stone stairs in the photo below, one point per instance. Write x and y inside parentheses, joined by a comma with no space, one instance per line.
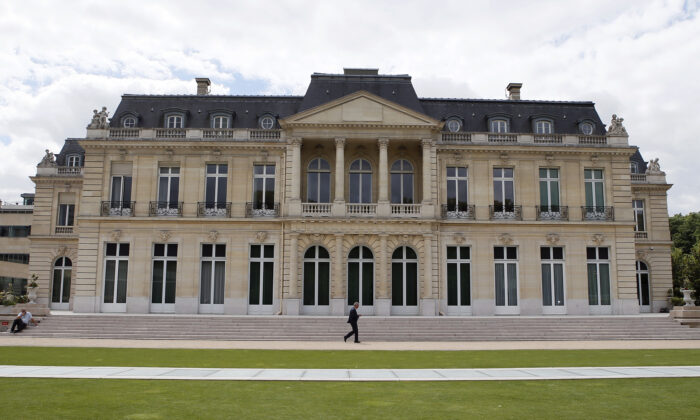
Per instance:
(372,328)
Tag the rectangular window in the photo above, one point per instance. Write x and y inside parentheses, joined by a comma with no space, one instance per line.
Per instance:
(499,126)
(638,207)
(552,260)
(220,122)
(543,127)
(598,276)
(458,276)
(116,269)
(215,186)
(15,231)
(595,196)
(65,214)
(549,190)
(121,192)
(457,178)
(213,274)
(168,187)
(262,264)
(164,273)
(15,258)
(263,187)
(506,268)
(503,190)
(174,121)
(17,286)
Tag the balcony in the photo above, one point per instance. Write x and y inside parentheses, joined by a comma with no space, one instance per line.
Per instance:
(463,211)
(552,213)
(165,208)
(117,208)
(405,210)
(262,209)
(316,209)
(548,138)
(64,230)
(598,213)
(640,235)
(456,137)
(638,178)
(361,209)
(213,209)
(592,140)
(505,212)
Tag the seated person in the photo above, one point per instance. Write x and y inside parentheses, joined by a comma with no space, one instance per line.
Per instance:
(22,320)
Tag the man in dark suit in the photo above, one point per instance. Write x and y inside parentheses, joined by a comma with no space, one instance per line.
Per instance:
(352,320)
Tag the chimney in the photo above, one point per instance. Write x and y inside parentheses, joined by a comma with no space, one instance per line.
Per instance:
(203,84)
(514,91)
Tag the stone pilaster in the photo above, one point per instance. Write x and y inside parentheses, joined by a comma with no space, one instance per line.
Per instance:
(383,207)
(427,170)
(337,287)
(383,300)
(339,170)
(292,298)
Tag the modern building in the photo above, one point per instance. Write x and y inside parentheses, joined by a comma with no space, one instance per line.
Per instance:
(358,190)
(15,228)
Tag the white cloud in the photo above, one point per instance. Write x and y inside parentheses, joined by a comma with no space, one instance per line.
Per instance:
(638,59)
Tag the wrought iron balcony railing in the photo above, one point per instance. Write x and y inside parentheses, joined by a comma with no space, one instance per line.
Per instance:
(458,211)
(165,208)
(213,209)
(505,212)
(552,212)
(602,213)
(117,208)
(262,209)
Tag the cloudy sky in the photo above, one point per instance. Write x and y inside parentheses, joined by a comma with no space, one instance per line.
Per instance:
(636,58)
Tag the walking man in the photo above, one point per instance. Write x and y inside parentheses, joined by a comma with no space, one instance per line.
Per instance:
(352,320)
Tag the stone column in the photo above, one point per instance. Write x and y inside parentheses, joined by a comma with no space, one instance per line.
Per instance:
(296,169)
(428,305)
(339,169)
(427,170)
(292,301)
(383,170)
(383,300)
(337,289)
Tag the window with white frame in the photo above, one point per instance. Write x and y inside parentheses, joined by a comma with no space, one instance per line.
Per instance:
(598,264)
(595,194)
(65,214)
(404,277)
(317,275)
(457,189)
(458,276)
(638,208)
(212,274)
(121,192)
(402,182)
(168,187)
(215,185)
(174,121)
(116,269)
(453,125)
(129,122)
(164,273)
(261,267)
(634,168)
(60,287)
(544,127)
(360,181)
(506,275)
(503,190)
(361,276)
(318,181)
(549,190)
(73,161)
(643,285)
(221,121)
(586,128)
(263,187)
(499,126)
(552,260)
(267,122)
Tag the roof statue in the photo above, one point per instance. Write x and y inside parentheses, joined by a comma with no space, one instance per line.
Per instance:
(616,127)
(99,119)
(47,160)
(653,167)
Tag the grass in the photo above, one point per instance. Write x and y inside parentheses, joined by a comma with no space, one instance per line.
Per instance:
(162,399)
(345,359)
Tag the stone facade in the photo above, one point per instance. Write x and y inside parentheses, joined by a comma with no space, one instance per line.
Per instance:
(349,199)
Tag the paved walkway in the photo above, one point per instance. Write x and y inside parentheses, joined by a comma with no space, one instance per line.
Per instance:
(19,340)
(348,375)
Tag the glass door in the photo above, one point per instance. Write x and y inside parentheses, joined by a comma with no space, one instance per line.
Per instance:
(261,279)
(506,279)
(552,260)
(116,269)
(317,274)
(212,283)
(60,287)
(361,280)
(164,278)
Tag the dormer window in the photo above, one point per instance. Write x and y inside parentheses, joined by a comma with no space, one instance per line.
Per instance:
(267,122)
(499,126)
(129,122)
(634,168)
(73,160)
(453,125)
(586,127)
(174,121)
(544,127)
(221,121)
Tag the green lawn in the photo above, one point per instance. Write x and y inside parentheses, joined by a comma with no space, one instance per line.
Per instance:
(163,399)
(73,356)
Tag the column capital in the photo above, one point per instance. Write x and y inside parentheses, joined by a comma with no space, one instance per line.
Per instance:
(427,142)
(295,141)
(383,142)
(340,142)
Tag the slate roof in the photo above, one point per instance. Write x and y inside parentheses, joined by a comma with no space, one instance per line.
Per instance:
(641,164)
(246,110)
(70,147)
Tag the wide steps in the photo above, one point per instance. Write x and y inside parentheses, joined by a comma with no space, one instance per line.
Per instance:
(260,328)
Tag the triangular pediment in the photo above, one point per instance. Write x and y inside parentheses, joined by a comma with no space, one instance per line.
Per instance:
(361,108)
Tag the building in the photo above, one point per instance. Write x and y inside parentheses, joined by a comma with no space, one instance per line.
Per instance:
(357,191)
(15,228)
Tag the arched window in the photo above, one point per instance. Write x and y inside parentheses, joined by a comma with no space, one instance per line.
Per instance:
(544,127)
(317,274)
(361,276)
(221,121)
(402,182)
(129,122)
(60,289)
(267,122)
(318,182)
(499,126)
(404,277)
(174,121)
(360,181)
(643,286)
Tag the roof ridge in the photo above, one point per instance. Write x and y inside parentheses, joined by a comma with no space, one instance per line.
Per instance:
(145,95)
(539,101)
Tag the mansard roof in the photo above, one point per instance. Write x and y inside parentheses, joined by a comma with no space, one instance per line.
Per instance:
(150,110)
(70,147)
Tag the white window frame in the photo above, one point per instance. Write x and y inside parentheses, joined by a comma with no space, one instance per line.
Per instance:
(599,307)
(316,308)
(595,184)
(69,219)
(174,121)
(551,262)
(165,259)
(586,128)
(499,125)
(318,161)
(264,176)
(60,304)
(403,171)
(460,308)
(507,308)
(115,306)
(361,261)
(73,161)
(216,176)
(129,122)
(548,180)
(501,180)
(261,307)
(361,173)
(404,308)
(544,127)
(172,173)
(639,272)
(221,121)
(638,208)
(267,122)
(453,125)
(211,307)
(456,178)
